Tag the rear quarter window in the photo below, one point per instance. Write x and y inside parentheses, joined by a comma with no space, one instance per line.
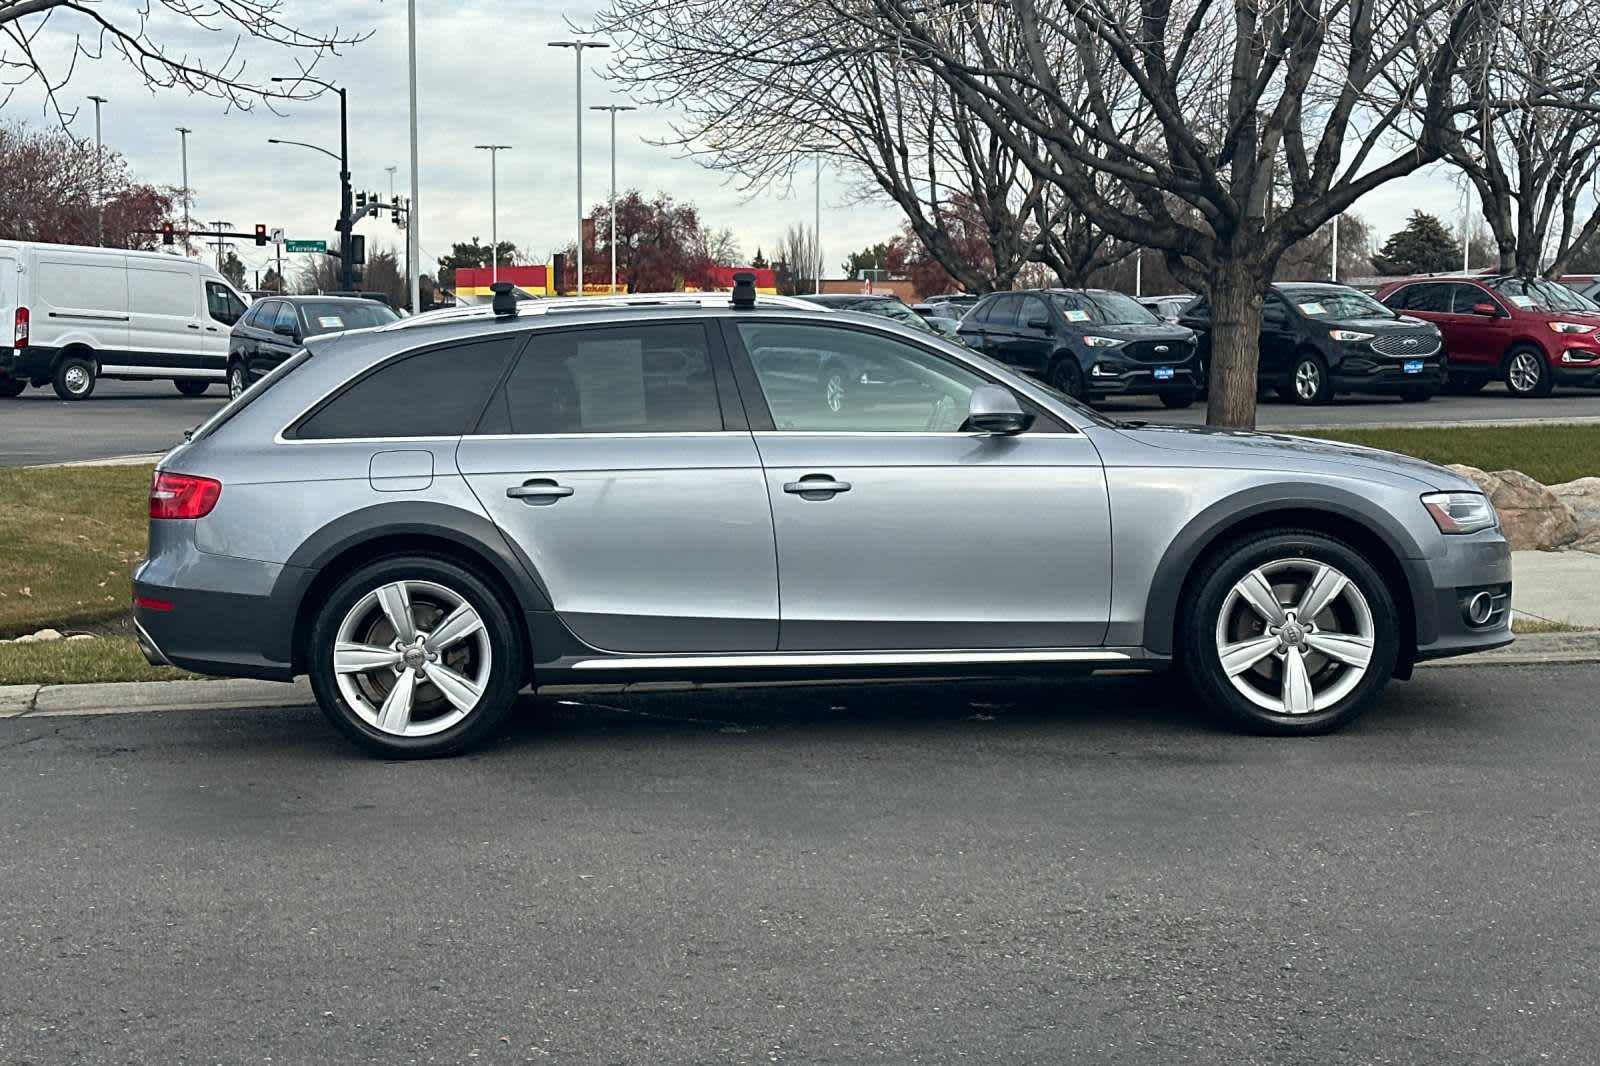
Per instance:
(436,392)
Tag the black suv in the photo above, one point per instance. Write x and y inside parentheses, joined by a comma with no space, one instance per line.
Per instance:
(1088,343)
(890,307)
(276,326)
(1319,339)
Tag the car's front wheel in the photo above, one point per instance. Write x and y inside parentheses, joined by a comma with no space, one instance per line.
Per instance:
(1289,633)
(1309,381)
(1526,373)
(415,656)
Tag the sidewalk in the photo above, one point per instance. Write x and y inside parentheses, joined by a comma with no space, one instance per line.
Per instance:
(1557,587)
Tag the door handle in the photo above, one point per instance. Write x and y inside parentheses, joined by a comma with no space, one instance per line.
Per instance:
(193,326)
(822,485)
(539,491)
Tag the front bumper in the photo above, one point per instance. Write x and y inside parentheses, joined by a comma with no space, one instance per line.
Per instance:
(1442,587)
(1566,372)
(1361,373)
(1125,378)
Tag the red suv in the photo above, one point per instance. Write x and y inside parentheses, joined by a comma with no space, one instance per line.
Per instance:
(1533,335)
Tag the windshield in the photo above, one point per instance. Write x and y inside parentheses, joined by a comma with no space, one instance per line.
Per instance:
(899,312)
(1540,295)
(1337,304)
(333,316)
(1106,308)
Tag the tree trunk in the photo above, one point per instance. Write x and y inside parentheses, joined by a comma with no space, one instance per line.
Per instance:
(1236,295)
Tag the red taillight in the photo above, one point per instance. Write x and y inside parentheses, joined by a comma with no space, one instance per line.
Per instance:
(182,495)
(19,335)
(150,604)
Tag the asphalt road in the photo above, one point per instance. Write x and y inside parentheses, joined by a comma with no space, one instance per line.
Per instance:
(984,872)
(140,418)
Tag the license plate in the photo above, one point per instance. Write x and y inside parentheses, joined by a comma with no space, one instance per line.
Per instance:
(1412,366)
(1164,373)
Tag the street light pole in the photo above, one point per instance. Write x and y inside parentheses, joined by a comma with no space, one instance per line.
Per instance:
(413,227)
(818,225)
(346,223)
(183,135)
(494,151)
(613,108)
(577,54)
(1333,266)
(99,174)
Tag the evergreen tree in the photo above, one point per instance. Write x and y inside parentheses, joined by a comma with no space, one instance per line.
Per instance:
(1424,246)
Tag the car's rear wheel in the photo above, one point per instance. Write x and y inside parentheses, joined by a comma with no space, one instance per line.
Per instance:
(192,386)
(415,656)
(1309,382)
(237,382)
(10,386)
(1527,375)
(73,378)
(1289,633)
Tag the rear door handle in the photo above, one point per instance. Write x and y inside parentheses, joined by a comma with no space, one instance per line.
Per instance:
(539,491)
(816,486)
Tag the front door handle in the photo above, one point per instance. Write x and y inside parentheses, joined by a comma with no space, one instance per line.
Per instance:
(816,487)
(539,490)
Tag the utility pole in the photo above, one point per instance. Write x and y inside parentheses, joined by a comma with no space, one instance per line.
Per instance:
(217,227)
(613,108)
(577,54)
(183,134)
(99,174)
(494,151)
(346,222)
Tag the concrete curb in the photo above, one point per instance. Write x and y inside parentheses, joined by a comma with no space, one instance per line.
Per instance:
(129,697)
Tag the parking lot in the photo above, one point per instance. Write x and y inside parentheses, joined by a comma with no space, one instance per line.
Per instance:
(987,872)
(145,418)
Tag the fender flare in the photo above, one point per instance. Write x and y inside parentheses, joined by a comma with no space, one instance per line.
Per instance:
(1211,525)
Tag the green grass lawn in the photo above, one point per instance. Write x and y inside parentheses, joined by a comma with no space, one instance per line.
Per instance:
(1548,453)
(72,662)
(71,536)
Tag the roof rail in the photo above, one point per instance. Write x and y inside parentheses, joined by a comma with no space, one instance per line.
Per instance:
(561,304)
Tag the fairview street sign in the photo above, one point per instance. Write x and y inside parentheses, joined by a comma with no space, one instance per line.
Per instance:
(305,246)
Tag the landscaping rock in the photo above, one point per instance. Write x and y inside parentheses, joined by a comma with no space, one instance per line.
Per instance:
(1582,497)
(80,636)
(45,636)
(1531,516)
(26,638)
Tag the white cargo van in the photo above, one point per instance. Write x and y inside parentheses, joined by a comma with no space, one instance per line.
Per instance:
(70,315)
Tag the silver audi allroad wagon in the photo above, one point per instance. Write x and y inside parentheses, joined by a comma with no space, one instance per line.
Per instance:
(428,516)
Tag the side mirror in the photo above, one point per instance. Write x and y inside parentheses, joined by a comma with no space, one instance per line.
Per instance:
(1486,310)
(993,409)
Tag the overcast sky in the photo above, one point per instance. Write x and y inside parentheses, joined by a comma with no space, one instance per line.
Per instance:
(485,76)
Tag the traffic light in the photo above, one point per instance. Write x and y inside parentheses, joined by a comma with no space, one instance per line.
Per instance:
(261,234)
(361,203)
(358,249)
(166,233)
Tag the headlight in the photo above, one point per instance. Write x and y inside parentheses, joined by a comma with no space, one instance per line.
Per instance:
(1348,336)
(1460,512)
(1571,327)
(1103,342)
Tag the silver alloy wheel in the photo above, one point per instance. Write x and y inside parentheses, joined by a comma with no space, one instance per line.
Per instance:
(235,382)
(1295,636)
(833,392)
(77,379)
(1523,374)
(412,658)
(1307,380)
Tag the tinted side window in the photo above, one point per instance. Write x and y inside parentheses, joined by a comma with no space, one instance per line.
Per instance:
(1431,298)
(1004,313)
(224,306)
(1465,297)
(286,318)
(627,379)
(1034,309)
(434,393)
(1274,311)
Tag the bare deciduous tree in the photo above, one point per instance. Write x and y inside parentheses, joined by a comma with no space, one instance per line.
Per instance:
(31,29)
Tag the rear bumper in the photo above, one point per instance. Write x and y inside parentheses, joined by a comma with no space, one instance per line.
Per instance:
(32,363)
(1361,374)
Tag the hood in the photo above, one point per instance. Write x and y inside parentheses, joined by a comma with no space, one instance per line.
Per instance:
(1282,448)
(1136,331)
(1404,324)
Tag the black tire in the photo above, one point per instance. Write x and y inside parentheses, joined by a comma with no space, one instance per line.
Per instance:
(1178,400)
(238,379)
(10,386)
(1456,384)
(1209,594)
(1417,395)
(1526,373)
(192,386)
(73,378)
(1309,380)
(1067,376)
(505,665)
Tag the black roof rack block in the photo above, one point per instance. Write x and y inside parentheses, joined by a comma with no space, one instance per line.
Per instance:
(744,289)
(505,298)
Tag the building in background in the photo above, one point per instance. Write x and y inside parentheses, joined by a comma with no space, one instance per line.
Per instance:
(472,283)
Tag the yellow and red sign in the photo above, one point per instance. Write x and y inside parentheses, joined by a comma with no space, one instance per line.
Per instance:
(536,281)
